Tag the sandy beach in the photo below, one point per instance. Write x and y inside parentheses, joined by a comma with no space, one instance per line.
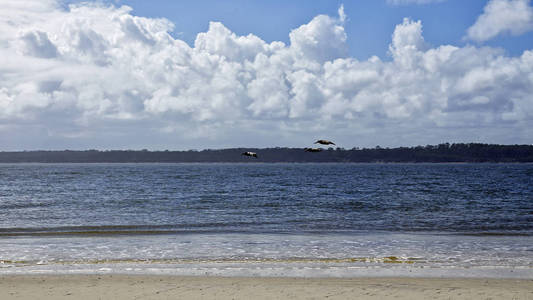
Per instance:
(173,287)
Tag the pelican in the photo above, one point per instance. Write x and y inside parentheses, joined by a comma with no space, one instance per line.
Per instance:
(324,142)
(248,153)
(313,149)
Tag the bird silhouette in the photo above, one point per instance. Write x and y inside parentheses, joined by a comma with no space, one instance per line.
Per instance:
(324,142)
(313,149)
(251,154)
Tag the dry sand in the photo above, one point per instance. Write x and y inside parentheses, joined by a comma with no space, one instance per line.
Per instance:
(173,287)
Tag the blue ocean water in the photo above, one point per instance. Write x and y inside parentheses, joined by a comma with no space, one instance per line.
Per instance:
(268,219)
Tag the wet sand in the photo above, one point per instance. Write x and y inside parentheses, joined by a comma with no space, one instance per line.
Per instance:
(175,287)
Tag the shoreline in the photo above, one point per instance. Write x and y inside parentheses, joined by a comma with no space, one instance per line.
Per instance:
(278,269)
(117,286)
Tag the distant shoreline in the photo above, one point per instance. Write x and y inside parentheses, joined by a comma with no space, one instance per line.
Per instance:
(442,153)
(265,163)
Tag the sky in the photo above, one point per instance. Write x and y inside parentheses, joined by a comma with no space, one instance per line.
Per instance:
(206,74)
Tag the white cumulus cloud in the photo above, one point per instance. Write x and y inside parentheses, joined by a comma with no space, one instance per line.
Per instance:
(502,16)
(96,76)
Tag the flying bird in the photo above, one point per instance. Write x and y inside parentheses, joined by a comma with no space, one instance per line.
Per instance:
(313,149)
(251,154)
(324,142)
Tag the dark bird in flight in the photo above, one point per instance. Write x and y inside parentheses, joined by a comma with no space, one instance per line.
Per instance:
(313,149)
(251,154)
(324,142)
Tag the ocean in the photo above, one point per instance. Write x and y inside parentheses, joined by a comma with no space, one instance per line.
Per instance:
(255,219)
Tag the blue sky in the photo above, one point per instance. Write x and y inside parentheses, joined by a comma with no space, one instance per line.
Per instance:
(121,74)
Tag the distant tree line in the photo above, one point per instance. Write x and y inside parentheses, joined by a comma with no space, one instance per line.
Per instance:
(462,152)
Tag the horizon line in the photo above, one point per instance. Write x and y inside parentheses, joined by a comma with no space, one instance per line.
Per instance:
(337,147)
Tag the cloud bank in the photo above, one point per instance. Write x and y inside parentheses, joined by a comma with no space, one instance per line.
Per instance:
(95,76)
(502,16)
